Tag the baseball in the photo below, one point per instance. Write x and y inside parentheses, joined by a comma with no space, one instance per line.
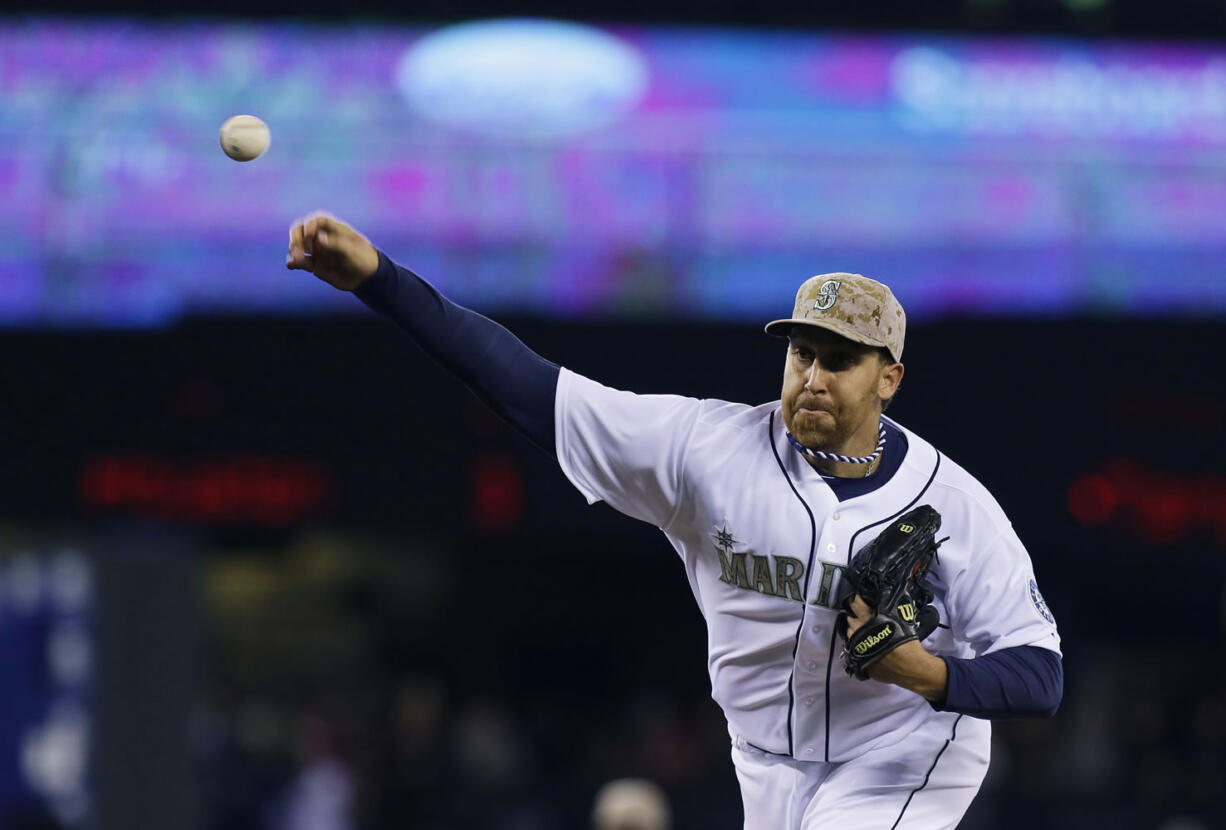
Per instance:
(244,137)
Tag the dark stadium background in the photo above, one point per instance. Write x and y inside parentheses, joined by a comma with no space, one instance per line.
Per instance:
(1183,19)
(530,647)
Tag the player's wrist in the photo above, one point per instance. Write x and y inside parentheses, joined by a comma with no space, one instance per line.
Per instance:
(373,272)
(933,684)
(367,263)
(911,667)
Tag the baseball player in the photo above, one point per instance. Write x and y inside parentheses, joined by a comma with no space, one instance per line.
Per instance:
(766,506)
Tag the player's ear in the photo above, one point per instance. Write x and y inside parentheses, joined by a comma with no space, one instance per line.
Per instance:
(889,379)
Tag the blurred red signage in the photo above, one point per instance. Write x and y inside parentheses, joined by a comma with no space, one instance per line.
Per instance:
(240,489)
(497,503)
(1159,507)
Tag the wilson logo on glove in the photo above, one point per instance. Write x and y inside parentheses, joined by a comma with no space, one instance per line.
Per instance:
(870,640)
(890,575)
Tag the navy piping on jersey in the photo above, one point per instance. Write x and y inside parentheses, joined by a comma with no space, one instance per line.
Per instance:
(927,775)
(834,641)
(851,546)
(804,597)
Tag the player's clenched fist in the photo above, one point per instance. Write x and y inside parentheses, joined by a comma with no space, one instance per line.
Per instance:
(331,250)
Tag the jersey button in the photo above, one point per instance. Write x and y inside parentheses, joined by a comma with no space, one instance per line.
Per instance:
(809,701)
(835,515)
(830,548)
(812,664)
(809,751)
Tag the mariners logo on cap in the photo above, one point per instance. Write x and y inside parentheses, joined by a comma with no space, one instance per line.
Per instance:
(827,294)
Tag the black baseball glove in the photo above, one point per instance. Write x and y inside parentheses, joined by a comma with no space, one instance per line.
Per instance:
(889,574)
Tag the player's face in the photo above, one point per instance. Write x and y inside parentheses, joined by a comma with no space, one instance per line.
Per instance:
(832,391)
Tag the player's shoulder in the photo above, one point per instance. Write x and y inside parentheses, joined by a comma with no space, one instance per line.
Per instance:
(728,438)
(734,416)
(716,416)
(724,427)
(951,483)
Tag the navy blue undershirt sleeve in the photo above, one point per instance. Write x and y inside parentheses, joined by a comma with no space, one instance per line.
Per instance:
(509,377)
(1020,682)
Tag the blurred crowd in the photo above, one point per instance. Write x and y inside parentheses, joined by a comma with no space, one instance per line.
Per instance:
(373,742)
(1135,758)
(437,763)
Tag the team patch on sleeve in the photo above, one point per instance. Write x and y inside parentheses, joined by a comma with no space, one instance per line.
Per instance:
(1040,604)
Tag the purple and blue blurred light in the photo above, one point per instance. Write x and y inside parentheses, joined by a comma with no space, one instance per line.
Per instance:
(662,172)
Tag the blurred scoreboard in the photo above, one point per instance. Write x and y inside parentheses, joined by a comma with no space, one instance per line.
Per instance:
(558,169)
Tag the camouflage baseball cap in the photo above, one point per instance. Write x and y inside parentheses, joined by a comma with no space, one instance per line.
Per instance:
(852,305)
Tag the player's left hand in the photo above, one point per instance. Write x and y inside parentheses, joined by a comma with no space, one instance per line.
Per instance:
(909,665)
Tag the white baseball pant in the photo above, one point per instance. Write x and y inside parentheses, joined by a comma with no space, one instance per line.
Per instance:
(925,782)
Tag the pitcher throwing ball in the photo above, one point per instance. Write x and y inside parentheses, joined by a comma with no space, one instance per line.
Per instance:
(869,607)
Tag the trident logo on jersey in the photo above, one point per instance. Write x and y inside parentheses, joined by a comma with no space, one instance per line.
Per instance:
(827,294)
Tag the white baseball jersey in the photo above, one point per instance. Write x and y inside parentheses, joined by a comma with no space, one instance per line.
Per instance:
(763,539)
